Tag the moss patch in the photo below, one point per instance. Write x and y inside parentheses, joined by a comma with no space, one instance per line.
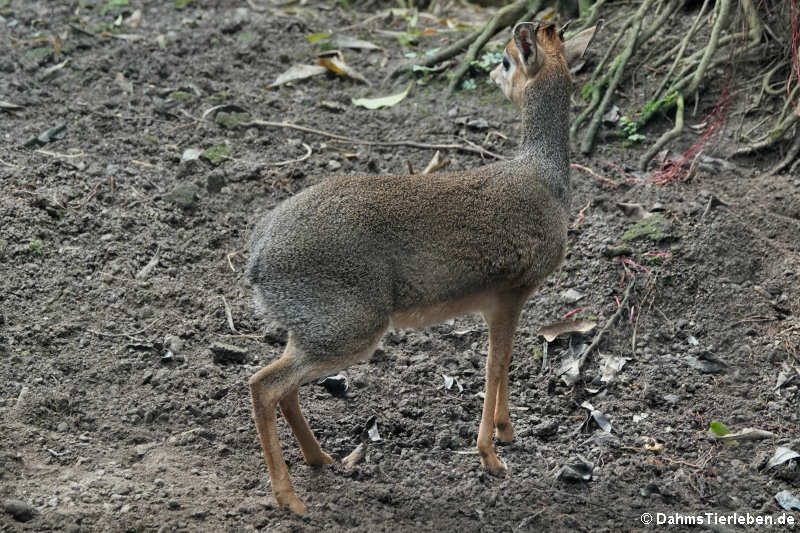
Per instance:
(217,154)
(655,227)
(231,121)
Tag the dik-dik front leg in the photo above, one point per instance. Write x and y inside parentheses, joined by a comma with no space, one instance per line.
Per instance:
(502,319)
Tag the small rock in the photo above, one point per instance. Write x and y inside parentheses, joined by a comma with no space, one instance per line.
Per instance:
(227,353)
(190,154)
(21,511)
(215,181)
(183,195)
(173,343)
(334,165)
(478,124)
(546,428)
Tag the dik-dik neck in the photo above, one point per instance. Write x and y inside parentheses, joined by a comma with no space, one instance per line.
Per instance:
(545,133)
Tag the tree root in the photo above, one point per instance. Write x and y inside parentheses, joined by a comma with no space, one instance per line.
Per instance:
(787,160)
(618,67)
(667,137)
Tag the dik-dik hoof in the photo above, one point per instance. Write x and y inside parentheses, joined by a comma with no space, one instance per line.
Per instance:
(504,432)
(493,465)
(292,502)
(320,460)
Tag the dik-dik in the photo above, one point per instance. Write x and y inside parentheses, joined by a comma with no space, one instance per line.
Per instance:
(347,259)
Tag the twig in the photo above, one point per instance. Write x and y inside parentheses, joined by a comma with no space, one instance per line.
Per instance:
(128,335)
(93,193)
(578,221)
(56,154)
(298,160)
(10,165)
(228,257)
(597,176)
(341,138)
(614,317)
(229,316)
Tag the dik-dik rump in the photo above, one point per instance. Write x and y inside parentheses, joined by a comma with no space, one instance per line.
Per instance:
(347,259)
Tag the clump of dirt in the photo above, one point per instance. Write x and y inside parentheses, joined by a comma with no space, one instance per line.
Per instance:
(122,250)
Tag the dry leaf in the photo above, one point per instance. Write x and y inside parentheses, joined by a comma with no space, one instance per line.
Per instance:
(384,101)
(551,331)
(334,61)
(436,163)
(296,73)
(345,41)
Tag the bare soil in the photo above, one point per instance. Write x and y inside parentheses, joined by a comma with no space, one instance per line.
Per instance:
(118,259)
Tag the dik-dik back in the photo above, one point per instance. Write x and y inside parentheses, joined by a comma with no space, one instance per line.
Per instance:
(341,262)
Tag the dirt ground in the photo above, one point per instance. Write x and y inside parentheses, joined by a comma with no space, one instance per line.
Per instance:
(120,252)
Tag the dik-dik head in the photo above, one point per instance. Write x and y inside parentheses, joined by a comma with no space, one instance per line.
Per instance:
(537,50)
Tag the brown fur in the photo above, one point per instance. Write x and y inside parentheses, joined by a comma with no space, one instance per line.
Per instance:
(345,260)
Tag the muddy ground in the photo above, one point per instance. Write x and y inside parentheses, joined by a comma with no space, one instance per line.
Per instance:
(118,259)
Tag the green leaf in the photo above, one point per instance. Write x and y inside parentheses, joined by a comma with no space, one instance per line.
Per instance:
(317,37)
(718,429)
(112,4)
(384,101)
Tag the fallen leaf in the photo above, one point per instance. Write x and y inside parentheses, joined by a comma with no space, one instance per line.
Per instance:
(782,455)
(334,61)
(718,428)
(297,73)
(746,434)
(345,41)
(578,470)
(570,371)
(384,101)
(551,331)
(317,37)
(8,106)
(786,500)
(652,445)
(436,163)
(610,366)
(599,418)
(571,295)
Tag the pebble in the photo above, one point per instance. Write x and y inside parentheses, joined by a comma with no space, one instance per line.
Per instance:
(227,353)
(21,511)
(184,195)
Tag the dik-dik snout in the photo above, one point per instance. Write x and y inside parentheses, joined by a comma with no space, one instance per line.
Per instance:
(345,260)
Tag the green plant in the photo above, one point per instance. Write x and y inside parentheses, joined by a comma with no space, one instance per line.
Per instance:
(113,4)
(488,61)
(469,84)
(628,130)
(35,247)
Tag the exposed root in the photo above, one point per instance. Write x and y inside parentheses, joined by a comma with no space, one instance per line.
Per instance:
(667,137)
(787,160)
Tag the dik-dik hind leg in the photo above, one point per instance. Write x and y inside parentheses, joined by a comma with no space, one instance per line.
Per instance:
(502,320)
(309,446)
(267,387)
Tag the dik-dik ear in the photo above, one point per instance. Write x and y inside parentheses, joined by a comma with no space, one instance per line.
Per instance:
(525,40)
(574,48)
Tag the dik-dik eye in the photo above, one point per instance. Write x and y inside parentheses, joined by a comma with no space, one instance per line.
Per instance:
(506,63)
